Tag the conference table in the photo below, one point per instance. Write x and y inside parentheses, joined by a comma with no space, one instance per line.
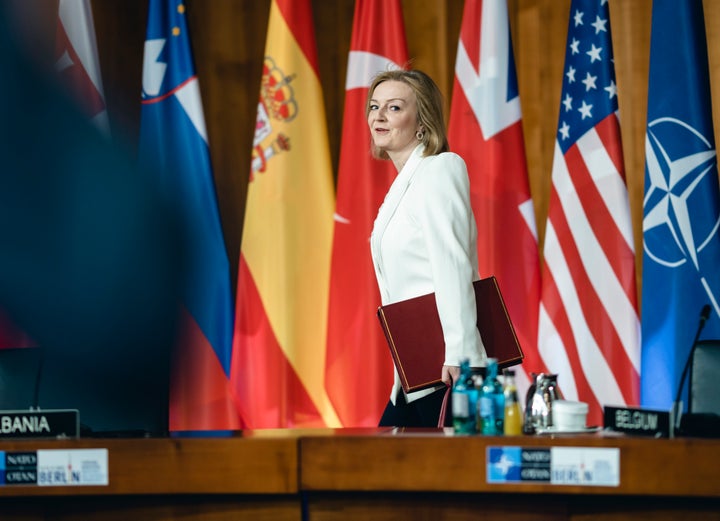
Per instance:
(368,474)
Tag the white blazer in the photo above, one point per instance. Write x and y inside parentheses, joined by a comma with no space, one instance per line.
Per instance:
(425,240)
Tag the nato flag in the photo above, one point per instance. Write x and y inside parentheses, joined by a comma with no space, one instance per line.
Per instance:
(681,245)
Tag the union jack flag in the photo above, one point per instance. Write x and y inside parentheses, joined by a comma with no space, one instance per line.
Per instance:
(486,130)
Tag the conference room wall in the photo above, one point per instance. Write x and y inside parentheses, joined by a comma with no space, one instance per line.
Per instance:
(229,39)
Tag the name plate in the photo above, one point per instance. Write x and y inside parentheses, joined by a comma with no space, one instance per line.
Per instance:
(50,423)
(640,422)
(54,468)
(584,466)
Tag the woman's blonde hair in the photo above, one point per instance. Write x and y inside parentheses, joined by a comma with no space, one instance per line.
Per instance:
(429,108)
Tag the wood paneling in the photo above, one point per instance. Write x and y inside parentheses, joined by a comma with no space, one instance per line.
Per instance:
(258,465)
(361,474)
(433,477)
(192,479)
(458,464)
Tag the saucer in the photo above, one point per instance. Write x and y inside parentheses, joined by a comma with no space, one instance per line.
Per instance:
(555,430)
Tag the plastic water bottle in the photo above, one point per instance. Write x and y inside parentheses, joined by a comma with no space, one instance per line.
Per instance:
(492,402)
(464,401)
(513,420)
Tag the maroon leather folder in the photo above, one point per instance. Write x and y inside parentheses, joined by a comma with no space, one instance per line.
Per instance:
(414,334)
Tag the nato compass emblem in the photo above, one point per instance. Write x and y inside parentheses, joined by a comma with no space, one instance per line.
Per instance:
(680,179)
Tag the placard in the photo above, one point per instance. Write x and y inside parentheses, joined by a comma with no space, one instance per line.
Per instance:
(38,424)
(54,467)
(585,466)
(639,422)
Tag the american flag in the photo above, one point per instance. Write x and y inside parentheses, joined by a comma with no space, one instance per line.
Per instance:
(589,326)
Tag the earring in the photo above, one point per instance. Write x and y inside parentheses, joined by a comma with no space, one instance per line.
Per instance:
(419,135)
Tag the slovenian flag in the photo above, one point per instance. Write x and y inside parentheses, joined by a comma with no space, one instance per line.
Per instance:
(173,142)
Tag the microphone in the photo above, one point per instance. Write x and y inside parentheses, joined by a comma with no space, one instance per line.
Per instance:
(678,404)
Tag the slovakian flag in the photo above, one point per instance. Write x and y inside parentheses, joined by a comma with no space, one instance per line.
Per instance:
(486,130)
(76,59)
(173,142)
(282,293)
(359,370)
(681,207)
(589,326)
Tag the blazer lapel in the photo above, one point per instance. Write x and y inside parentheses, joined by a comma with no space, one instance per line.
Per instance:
(389,206)
(396,192)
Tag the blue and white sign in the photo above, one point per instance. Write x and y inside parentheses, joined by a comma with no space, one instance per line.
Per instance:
(72,467)
(591,466)
(55,467)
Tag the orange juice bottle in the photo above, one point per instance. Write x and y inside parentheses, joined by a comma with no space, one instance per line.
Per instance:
(513,412)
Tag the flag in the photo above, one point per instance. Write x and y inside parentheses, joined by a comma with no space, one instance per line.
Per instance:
(485,129)
(78,66)
(77,62)
(282,291)
(589,326)
(681,211)
(11,335)
(359,369)
(173,141)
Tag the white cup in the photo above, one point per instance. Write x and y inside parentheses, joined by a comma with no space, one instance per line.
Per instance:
(568,415)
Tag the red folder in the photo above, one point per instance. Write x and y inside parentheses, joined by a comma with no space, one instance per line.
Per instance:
(414,334)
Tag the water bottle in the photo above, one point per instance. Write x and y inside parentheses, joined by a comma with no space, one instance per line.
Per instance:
(513,423)
(492,402)
(464,401)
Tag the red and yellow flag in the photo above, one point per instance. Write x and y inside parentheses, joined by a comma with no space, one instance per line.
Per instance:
(282,295)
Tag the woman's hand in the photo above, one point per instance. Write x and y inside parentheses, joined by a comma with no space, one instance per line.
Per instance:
(450,374)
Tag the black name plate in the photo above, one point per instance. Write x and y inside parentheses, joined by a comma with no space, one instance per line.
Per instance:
(51,423)
(641,422)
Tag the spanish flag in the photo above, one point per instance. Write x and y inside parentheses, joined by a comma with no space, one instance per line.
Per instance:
(282,294)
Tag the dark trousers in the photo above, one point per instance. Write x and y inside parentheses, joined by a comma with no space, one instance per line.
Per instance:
(424,412)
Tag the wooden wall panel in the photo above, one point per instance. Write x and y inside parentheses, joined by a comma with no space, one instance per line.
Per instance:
(229,40)
(229,44)
(539,35)
(631,43)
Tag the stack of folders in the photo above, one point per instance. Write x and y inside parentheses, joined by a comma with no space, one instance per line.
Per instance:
(415,337)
